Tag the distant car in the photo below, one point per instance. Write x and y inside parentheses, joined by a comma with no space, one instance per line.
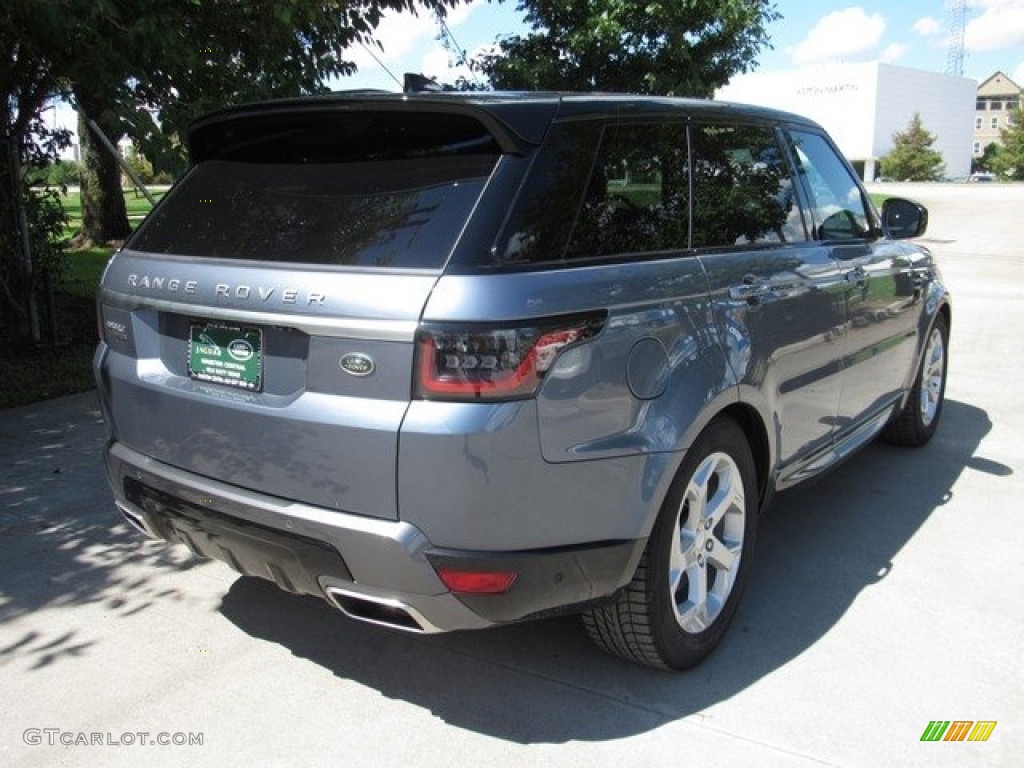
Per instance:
(457,360)
(981,177)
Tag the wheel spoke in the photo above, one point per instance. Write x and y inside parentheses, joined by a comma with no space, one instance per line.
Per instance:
(682,560)
(724,557)
(931,377)
(693,612)
(728,499)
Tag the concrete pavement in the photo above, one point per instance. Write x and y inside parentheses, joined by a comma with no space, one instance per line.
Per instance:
(884,596)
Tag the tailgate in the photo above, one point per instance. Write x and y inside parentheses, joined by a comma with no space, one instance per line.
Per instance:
(258,329)
(306,406)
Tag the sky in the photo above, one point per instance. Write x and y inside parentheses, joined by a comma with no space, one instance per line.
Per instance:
(909,33)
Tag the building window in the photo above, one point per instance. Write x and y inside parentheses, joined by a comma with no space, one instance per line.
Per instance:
(995,123)
(977,147)
(1013,103)
(982,105)
(977,123)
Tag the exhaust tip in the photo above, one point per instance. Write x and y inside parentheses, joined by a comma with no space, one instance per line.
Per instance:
(134,520)
(383,611)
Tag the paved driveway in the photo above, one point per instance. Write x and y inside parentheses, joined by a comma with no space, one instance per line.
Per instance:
(884,596)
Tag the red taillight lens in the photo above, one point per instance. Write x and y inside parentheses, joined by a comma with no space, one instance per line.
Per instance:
(477,582)
(472,363)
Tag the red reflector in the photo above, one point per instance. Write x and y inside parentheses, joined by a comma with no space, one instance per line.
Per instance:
(477,582)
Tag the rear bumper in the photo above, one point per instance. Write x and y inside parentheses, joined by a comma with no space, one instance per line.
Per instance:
(374,570)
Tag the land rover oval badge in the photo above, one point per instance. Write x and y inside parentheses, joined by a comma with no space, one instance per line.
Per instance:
(357,364)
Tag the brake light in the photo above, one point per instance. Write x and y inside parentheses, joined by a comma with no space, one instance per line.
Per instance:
(473,363)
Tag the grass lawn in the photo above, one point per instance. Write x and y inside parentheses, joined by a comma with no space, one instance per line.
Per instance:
(85,265)
(136,205)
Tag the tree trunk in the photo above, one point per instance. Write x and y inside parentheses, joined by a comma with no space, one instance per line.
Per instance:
(104,217)
(15,274)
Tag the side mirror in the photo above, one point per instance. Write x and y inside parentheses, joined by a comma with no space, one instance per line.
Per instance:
(903,219)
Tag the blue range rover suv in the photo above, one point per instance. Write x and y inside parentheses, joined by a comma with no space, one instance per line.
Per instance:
(451,361)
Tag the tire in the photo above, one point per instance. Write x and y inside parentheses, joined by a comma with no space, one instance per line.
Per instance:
(917,422)
(689,579)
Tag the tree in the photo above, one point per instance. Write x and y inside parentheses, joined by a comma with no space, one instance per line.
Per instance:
(30,66)
(1008,162)
(145,68)
(149,84)
(984,163)
(662,47)
(912,157)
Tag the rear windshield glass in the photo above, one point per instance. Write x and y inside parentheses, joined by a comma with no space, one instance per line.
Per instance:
(338,193)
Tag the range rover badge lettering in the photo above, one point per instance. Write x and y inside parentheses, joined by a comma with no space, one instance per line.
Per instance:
(357,364)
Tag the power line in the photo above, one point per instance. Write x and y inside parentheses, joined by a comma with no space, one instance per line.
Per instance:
(452,45)
(381,64)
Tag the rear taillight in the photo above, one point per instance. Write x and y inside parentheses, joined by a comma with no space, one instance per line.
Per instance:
(487,363)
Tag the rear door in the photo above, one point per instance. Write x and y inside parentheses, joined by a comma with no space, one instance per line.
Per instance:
(258,328)
(778,294)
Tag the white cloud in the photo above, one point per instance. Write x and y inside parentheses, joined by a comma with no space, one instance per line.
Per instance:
(437,63)
(440,64)
(400,34)
(1000,26)
(846,35)
(927,27)
(892,53)
(460,13)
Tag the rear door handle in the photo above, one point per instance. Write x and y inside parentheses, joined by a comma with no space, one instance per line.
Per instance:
(752,288)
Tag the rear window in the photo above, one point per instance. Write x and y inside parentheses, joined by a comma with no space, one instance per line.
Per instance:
(349,191)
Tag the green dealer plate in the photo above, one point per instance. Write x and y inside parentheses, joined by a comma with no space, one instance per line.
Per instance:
(227,355)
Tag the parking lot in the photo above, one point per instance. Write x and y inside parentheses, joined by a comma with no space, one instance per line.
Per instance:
(887,595)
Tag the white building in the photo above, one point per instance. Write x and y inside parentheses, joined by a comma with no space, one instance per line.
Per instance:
(59,115)
(862,105)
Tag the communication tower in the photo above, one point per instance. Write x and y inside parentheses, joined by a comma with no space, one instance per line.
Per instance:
(957,18)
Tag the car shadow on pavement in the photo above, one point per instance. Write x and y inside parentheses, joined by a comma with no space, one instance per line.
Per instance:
(62,544)
(820,547)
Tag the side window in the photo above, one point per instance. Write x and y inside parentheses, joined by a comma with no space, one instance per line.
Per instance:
(836,202)
(742,190)
(537,228)
(636,200)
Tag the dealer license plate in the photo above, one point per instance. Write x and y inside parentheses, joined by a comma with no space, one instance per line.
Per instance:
(227,355)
